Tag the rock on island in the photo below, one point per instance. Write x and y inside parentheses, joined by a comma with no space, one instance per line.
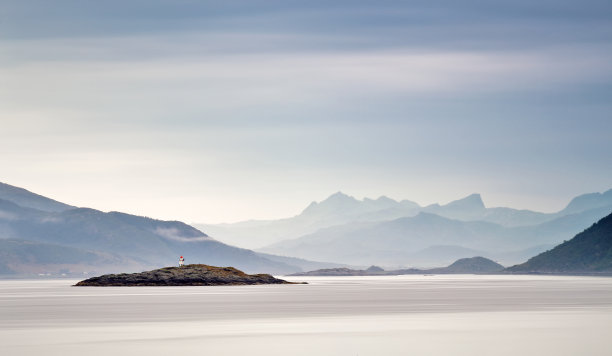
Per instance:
(189,275)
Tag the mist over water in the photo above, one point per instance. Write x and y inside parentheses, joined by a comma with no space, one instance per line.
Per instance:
(390,315)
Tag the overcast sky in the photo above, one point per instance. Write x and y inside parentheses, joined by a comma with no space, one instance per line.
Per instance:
(211,111)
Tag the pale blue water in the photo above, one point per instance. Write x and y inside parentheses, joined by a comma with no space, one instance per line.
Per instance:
(403,315)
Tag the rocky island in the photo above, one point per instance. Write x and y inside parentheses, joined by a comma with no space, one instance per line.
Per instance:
(189,275)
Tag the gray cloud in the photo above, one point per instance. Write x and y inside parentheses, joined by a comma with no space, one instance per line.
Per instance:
(229,110)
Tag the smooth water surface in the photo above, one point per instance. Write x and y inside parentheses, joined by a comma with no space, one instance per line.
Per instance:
(389,315)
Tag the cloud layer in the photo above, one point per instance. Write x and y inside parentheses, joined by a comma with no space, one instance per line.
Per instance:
(203,111)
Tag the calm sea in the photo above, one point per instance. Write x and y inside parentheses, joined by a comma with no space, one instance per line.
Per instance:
(403,315)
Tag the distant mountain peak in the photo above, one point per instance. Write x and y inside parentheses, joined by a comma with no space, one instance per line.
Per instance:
(409,203)
(384,198)
(468,208)
(335,201)
(471,201)
(588,201)
(339,195)
(339,198)
(311,205)
(380,203)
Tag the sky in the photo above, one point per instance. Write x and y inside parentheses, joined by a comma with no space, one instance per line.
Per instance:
(221,111)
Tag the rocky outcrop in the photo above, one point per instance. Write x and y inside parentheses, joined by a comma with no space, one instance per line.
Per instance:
(189,275)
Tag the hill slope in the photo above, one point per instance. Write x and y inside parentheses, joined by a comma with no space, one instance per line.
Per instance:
(103,239)
(27,199)
(589,251)
(32,257)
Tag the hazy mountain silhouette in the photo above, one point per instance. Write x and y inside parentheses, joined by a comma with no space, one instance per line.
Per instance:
(339,209)
(390,243)
(468,208)
(587,202)
(110,239)
(429,240)
(341,229)
(588,251)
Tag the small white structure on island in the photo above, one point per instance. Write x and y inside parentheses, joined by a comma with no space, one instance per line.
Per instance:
(181,261)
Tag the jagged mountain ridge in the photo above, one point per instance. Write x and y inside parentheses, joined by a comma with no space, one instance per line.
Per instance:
(428,240)
(338,209)
(341,209)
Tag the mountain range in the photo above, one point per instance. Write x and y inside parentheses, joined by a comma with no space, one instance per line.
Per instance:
(39,235)
(396,233)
